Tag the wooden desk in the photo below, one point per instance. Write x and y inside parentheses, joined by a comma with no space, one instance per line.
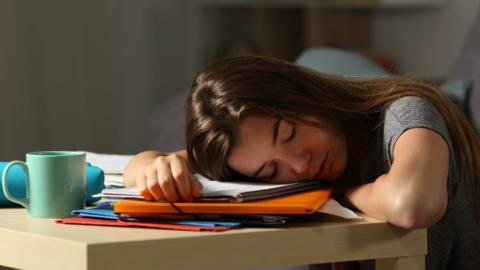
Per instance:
(29,243)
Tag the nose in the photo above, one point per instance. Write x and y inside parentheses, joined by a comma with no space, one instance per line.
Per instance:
(300,163)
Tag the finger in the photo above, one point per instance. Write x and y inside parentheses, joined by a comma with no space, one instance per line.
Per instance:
(181,177)
(160,196)
(165,179)
(196,186)
(141,181)
(152,184)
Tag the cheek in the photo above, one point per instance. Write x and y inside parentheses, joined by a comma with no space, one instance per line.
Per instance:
(285,176)
(317,142)
(331,141)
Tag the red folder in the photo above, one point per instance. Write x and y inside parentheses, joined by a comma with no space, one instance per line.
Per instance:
(301,203)
(120,223)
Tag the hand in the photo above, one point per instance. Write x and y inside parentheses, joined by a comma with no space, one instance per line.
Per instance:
(168,178)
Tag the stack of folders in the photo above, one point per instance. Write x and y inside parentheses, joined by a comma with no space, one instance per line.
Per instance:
(222,206)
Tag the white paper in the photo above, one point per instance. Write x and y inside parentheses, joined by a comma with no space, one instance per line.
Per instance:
(109,163)
(217,188)
(210,188)
(332,207)
(114,180)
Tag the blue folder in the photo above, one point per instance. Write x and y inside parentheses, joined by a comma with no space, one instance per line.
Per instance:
(105,211)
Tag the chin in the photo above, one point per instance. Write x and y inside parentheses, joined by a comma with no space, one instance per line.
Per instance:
(337,173)
(336,176)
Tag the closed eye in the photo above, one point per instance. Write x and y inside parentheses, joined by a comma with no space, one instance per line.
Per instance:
(292,134)
(267,179)
(274,173)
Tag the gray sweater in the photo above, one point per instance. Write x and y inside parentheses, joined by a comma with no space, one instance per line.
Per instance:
(453,242)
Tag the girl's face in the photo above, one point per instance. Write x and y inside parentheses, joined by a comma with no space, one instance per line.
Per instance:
(282,151)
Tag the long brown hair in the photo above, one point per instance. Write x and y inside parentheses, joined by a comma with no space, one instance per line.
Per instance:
(228,90)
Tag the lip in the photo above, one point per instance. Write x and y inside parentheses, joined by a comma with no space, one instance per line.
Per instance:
(323,169)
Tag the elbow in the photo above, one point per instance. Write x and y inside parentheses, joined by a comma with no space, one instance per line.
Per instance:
(408,220)
(418,215)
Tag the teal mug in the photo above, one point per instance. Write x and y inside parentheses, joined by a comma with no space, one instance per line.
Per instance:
(55,183)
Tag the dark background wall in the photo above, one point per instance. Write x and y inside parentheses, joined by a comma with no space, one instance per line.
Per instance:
(88,74)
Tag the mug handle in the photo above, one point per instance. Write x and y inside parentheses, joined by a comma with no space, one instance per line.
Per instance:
(23,165)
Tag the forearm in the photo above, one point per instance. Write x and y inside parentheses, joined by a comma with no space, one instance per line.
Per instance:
(405,205)
(369,199)
(141,160)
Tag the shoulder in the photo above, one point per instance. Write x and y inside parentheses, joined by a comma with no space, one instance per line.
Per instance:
(407,113)
(412,112)
(412,108)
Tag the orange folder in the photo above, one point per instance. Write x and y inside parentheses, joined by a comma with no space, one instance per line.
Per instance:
(300,203)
